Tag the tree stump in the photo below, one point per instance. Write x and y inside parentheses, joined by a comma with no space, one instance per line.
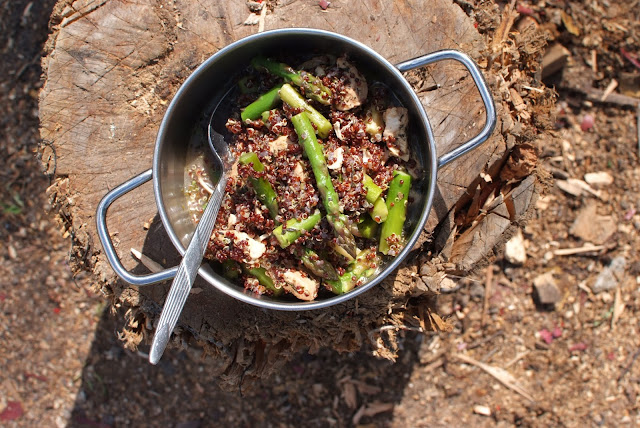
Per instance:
(112,66)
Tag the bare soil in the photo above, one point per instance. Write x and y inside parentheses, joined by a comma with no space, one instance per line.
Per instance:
(510,360)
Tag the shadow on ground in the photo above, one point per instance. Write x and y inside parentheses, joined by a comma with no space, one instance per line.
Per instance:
(120,387)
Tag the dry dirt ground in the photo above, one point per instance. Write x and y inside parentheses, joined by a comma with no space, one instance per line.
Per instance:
(509,361)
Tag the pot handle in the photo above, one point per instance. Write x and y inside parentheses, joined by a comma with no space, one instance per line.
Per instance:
(490,109)
(103,234)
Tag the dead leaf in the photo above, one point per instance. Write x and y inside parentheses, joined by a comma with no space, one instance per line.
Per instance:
(349,392)
(371,410)
(437,323)
(618,307)
(576,187)
(570,24)
(500,374)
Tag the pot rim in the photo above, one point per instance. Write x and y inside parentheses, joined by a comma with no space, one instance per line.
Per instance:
(430,170)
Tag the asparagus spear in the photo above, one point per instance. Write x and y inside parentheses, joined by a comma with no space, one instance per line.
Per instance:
(391,235)
(265,102)
(379,211)
(295,100)
(313,150)
(294,229)
(230,269)
(262,187)
(265,280)
(367,226)
(312,86)
(362,268)
(318,266)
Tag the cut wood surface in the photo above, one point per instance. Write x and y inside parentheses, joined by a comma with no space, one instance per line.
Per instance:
(111,69)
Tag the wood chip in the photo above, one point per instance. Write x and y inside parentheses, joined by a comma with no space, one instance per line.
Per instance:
(592,227)
(514,250)
(576,187)
(601,178)
(482,410)
(554,60)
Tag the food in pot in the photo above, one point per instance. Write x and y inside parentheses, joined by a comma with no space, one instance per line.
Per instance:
(318,194)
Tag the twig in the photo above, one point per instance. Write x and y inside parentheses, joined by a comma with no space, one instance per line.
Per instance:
(626,369)
(150,264)
(516,359)
(391,327)
(579,250)
(594,94)
(638,126)
(533,89)
(434,365)
(484,340)
(263,14)
(503,376)
(487,294)
(609,90)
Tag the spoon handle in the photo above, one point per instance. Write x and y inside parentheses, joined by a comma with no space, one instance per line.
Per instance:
(187,271)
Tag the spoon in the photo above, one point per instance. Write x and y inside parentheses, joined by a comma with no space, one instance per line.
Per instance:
(188,269)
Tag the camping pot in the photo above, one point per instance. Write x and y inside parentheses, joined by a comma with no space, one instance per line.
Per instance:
(207,85)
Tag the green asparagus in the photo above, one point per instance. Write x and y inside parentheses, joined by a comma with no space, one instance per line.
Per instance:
(230,269)
(265,102)
(313,150)
(318,266)
(367,226)
(379,211)
(362,268)
(373,190)
(290,96)
(312,86)
(294,228)
(262,187)
(391,235)
(265,280)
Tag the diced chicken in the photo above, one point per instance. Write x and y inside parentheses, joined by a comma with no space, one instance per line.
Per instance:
(396,120)
(232,221)
(356,86)
(338,128)
(318,64)
(300,284)
(335,158)
(254,248)
(278,145)
(298,172)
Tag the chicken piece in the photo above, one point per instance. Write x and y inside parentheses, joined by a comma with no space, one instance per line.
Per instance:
(355,86)
(300,284)
(298,172)
(396,120)
(335,158)
(278,145)
(254,248)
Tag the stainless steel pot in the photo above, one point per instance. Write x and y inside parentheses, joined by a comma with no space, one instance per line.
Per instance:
(207,85)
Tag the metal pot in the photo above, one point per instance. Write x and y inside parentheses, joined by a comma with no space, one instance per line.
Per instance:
(207,85)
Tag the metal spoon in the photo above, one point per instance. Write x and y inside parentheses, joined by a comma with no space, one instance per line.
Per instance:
(188,269)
